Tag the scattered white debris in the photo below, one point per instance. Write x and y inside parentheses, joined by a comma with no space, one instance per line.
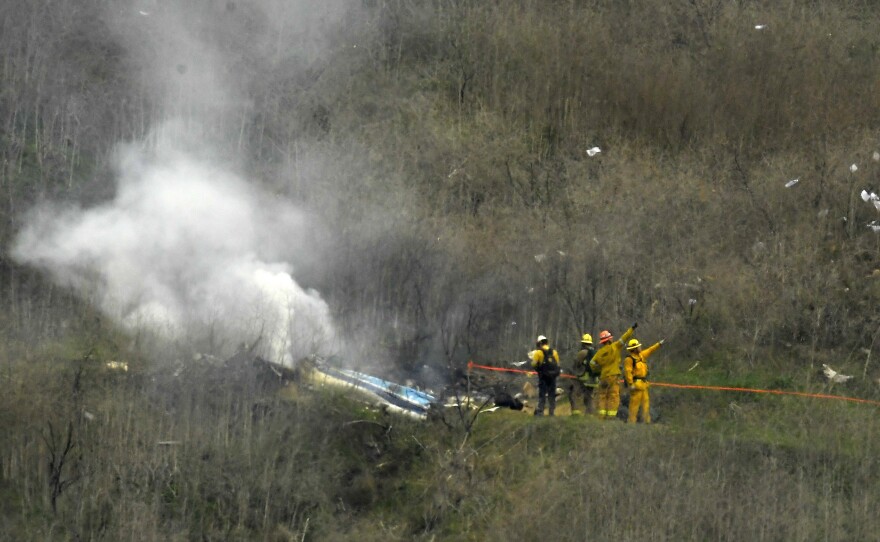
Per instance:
(791,183)
(692,302)
(540,257)
(877,204)
(168,443)
(694,366)
(518,363)
(88,415)
(561,253)
(144,13)
(823,213)
(875,226)
(833,375)
(531,290)
(876,156)
(117,365)
(735,409)
(853,168)
(760,26)
(493,409)
(513,323)
(868,196)
(473,401)
(593,151)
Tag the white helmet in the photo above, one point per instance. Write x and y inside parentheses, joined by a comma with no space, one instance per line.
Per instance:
(541,338)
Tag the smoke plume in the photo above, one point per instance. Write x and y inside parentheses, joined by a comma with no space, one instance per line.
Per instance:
(183,249)
(186,248)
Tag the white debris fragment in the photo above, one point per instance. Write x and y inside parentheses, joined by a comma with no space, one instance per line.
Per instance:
(513,323)
(791,183)
(117,365)
(144,13)
(540,257)
(760,26)
(872,198)
(876,156)
(853,168)
(692,302)
(593,151)
(875,226)
(88,415)
(823,213)
(833,375)
(561,253)
(518,363)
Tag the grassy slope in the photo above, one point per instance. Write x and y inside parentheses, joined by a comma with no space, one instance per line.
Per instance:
(720,466)
(255,464)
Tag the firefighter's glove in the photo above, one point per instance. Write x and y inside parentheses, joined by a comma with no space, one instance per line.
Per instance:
(661,341)
(635,325)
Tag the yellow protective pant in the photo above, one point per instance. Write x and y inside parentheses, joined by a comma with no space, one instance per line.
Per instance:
(638,397)
(609,396)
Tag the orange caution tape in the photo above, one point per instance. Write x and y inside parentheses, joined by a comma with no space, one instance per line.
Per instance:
(472,365)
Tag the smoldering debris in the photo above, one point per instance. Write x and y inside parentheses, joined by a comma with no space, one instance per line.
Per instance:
(184,248)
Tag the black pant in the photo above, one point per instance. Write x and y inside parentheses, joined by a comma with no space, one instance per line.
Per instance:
(578,388)
(546,388)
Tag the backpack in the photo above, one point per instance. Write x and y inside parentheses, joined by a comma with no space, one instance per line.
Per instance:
(635,362)
(594,371)
(549,368)
(582,369)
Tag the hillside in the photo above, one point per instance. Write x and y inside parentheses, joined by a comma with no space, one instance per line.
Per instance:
(226,452)
(402,187)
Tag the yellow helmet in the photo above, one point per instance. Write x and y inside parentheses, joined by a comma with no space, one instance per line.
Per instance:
(587,338)
(633,344)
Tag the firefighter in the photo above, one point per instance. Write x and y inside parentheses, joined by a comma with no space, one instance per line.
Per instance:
(586,380)
(607,361)
(545,361)
(635,369)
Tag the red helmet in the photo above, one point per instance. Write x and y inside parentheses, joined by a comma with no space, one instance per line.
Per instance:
(605,337)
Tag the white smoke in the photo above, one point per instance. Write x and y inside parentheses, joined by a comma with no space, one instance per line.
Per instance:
(185,248)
